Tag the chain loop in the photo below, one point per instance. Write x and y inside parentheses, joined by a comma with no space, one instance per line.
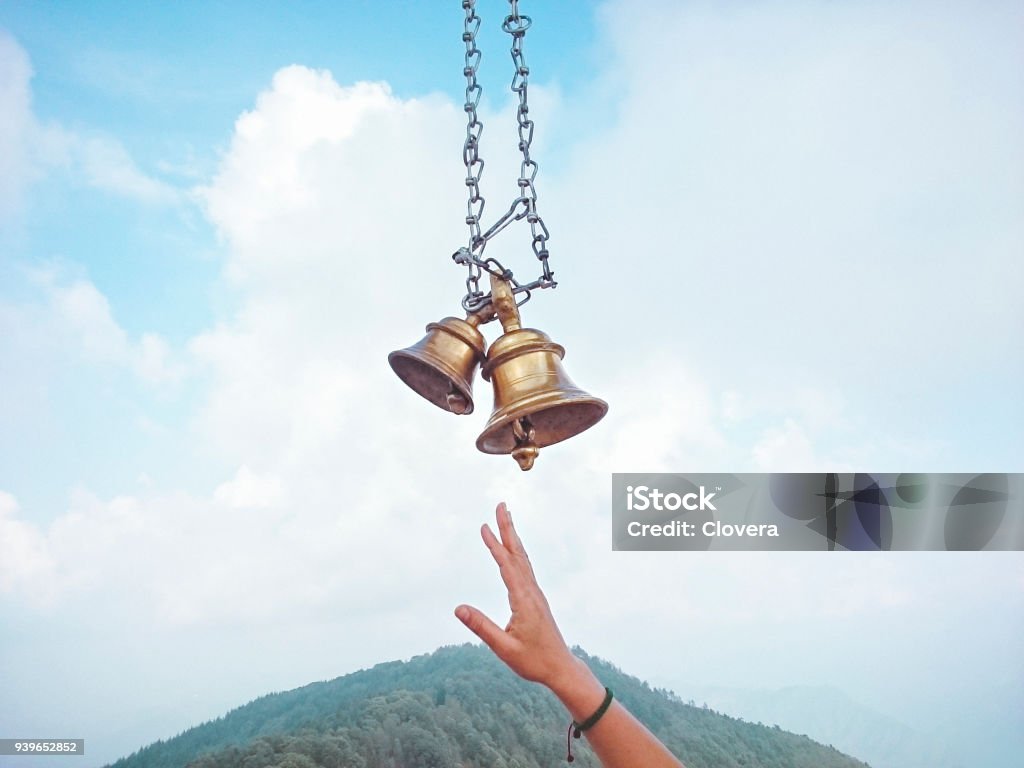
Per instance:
(516,25)
(525,205)
(471,147)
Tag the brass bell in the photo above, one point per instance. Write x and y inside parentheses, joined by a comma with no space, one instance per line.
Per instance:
(535,402)
(440,367)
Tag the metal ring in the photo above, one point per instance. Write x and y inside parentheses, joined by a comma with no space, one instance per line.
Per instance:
(520,29)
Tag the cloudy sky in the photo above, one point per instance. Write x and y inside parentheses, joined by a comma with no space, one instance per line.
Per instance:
(788,235)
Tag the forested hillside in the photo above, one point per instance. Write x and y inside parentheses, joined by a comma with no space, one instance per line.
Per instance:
(460,706)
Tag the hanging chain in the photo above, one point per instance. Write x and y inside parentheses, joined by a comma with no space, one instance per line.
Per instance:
(471,149)
(516,26)
(525,205)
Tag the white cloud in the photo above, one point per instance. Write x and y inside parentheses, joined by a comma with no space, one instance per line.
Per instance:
(248,489)
(30,147)
(790,448)
(832,190)
(85,312)
(107,165)
(154,361)
(675,424)
(15,128)
(99,161)
(352,162)
(24,565)
(65,319)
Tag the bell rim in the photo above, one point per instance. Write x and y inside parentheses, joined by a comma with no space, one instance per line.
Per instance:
(559,398)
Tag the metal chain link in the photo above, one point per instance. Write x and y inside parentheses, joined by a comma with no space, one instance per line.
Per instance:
(471,148)
(525,205)
(516,25)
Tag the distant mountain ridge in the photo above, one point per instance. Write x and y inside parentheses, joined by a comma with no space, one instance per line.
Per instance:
(979,729)
(824,712)
(460,706)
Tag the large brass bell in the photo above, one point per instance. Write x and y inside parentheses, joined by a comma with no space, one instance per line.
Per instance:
(535,402)
(441,366)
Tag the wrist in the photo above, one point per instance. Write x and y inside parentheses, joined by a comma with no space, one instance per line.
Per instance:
(577,688)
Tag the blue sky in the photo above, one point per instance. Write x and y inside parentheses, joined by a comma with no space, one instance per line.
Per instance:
(172,79)
(788,237)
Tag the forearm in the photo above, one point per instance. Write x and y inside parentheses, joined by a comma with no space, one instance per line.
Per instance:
(534,649)
(618,738)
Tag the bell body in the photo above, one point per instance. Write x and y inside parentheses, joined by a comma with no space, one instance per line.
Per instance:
(441,366)
(525,369)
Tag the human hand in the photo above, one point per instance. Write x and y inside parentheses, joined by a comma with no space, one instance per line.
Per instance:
(531,644)
(533,648)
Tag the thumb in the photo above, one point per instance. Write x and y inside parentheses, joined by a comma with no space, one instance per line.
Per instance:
(481,626)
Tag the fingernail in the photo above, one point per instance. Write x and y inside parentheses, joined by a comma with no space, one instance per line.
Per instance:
(462,613)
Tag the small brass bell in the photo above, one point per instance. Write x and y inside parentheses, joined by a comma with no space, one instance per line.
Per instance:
(535,402)
(440,367)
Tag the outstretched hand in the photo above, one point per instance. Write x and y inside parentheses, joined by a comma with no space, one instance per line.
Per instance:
(530,644)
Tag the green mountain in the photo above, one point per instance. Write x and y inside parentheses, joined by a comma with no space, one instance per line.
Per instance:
(460,706)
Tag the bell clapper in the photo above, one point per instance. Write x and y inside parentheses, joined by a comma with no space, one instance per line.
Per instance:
(457,402)
(526,450)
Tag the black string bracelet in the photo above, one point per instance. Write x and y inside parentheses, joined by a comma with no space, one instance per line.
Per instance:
(576,729)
